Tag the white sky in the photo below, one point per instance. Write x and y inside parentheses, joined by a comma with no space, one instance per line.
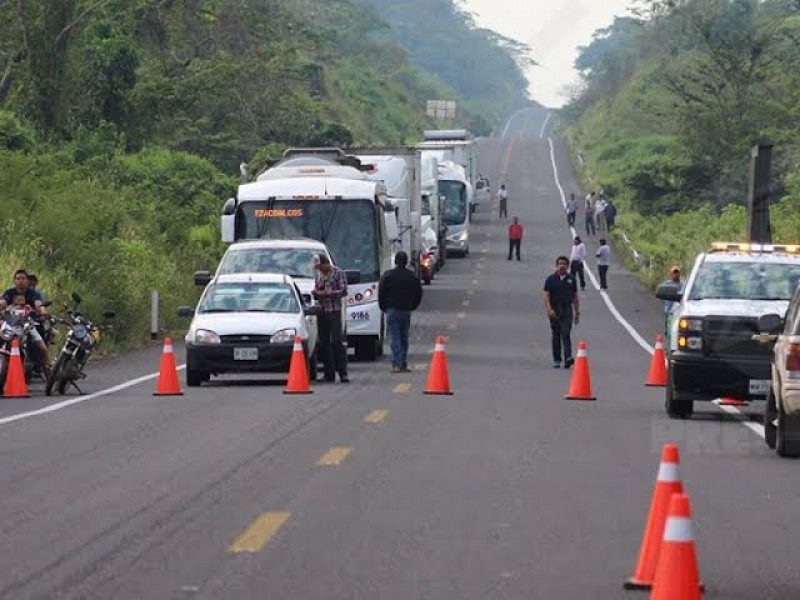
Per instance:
(553,29)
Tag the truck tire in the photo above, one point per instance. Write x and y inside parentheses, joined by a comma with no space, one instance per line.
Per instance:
(787,443)
(770,414)
(676,409)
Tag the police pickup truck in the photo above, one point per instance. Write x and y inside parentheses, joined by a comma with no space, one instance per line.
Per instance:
(714,349)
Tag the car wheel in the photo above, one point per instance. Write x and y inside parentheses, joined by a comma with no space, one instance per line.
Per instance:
(787,443)
(770,414)
(677,409)
(196,378)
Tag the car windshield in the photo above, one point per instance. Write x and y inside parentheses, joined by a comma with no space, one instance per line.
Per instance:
(745,281)
(297,262)
(455,204)
(250,297)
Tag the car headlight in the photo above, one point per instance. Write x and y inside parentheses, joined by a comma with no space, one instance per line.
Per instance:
(283,336)
(690,342)
(79,331)
(689,324)
(206,336)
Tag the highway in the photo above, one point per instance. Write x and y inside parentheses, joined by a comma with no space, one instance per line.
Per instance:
(375,490)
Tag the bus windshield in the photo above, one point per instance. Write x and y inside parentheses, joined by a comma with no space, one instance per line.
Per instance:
(455,204)
(347,227)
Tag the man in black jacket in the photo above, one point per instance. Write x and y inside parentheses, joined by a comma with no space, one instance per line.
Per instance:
(399,293)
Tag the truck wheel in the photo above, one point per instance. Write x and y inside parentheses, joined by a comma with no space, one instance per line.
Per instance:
(787,443)
(677,409)
(770,414)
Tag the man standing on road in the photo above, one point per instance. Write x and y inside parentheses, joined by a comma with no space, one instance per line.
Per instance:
(588,213)
(514,238)
(399,294)
(502,196)
(560,297)
(572,210)
(603,254)
(330,287)
(675,279)
(576,258)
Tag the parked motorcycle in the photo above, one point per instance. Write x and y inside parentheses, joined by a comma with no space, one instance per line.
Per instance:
(19,328)
(82,337)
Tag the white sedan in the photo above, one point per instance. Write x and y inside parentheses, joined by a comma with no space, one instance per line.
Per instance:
(247,323)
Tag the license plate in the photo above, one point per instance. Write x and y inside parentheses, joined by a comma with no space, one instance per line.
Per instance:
(359,316)
(245,354)
(759,387)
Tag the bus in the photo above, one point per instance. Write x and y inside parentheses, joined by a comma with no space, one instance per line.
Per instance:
(324,195)
(457,192)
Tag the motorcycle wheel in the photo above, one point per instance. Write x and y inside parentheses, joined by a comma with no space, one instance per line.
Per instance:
(55,375)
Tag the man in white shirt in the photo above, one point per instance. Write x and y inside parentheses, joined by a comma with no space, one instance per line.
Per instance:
(603,255)
(576,258)
(502,196)
(600,214)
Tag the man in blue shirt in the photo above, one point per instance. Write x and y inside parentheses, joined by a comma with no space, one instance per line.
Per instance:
(560,298)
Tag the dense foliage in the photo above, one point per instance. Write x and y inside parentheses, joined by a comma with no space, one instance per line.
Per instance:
(123,122)
(673,99)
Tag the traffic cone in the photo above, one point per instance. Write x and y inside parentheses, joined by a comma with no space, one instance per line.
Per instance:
(658,366)
(168,384)
(16,386)
(677,575)
(438,378)
(580,388)
(298,382)
(667,483)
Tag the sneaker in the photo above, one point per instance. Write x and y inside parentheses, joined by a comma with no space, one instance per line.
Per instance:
(344,379)
(405,370)
(556,364)
(394,369)
(569,362)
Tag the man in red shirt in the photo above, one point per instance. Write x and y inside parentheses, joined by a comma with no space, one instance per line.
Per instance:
(514,238)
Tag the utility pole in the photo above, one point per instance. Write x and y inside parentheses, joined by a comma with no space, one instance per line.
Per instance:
(758,192)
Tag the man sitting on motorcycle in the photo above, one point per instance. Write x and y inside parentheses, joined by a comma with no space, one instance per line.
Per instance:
(21,293)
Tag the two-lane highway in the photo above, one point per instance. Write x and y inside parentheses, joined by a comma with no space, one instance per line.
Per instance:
(375,490)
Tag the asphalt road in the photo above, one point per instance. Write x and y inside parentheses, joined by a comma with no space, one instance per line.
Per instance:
(502,490)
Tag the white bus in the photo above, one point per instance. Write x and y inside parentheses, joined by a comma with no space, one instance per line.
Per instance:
(322,194)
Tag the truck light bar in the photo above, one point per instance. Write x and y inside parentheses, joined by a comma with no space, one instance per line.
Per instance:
(755,248)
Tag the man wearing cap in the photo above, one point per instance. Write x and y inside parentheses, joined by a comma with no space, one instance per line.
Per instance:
(675,280)
(330,286)
(399,294)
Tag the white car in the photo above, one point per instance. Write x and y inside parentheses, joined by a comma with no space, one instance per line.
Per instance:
(247,323)
(293,257)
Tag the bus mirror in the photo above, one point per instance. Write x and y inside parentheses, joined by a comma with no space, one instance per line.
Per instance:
(228,228)
(202,278)
(353,276)
(229,207)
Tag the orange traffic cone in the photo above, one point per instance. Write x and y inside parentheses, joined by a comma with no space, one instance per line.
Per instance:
(667,483)
(438,378)
(658,366)
(580,388)
(677,575)
(168,384)
(16,386)
(298,382)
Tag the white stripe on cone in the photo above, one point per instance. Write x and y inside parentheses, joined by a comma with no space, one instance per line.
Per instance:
(15,350)
(298,347)
(659,346)
(668,472)
(678,529)
(168,349)
(581,353)
(439,348)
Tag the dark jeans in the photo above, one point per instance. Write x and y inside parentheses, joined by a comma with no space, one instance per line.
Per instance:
(561,328)
(603,270)
(576,268)
(399,323)
(590,228)
(571,219)
(503,208)
(329,326)
(513,247)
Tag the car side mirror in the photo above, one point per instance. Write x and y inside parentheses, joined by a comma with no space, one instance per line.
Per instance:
(109,314)
(202,278)
(353,276)
(669,292)
(771,324)
(307,299)
(314,310)
(185,311)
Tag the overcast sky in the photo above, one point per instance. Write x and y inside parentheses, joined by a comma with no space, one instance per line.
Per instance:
(554,29)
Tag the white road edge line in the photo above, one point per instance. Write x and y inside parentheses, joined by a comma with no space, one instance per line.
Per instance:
(756,428)
(67,403)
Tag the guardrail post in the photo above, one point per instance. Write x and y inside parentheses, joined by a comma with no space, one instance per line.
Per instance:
(154,315)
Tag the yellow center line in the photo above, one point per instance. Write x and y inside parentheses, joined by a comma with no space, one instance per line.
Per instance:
(451,327)
(470,292)
(474,282)
(334,456)
(260,532)
(465,303)
(402,388)
(462,315)
(376,416)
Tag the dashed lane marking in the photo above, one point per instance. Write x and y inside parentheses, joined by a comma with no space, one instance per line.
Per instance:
(334,456)
(402,388)
(465,303)
(261,531)
(462,315)
(376,416)
(451,327)
(420,366)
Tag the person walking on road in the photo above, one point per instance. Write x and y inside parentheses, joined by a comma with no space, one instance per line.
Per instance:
(560,298)
(572,210)
(514,238)
(330,286)
(576,258)
(600,214)
(611,215)
(669,305)
(588,213)
(502,196)
(603,255)
(399,294)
